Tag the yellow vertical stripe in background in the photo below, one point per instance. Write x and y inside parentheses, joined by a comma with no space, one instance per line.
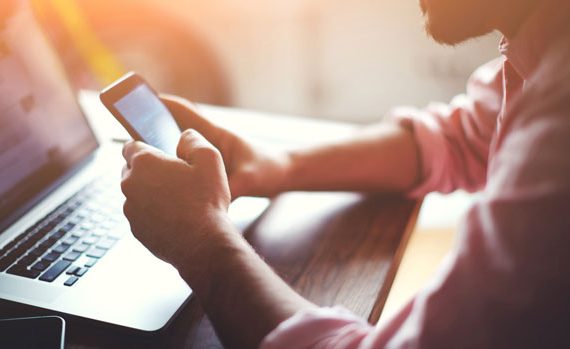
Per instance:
(103,65)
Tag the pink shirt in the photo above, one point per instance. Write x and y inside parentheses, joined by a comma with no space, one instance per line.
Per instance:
(506,283)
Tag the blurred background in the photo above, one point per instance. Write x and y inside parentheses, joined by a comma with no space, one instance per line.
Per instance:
(330,59)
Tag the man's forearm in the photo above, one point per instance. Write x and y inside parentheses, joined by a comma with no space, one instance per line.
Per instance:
(379,158)
(243,297)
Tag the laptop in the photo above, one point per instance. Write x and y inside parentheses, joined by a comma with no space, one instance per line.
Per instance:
(65,245)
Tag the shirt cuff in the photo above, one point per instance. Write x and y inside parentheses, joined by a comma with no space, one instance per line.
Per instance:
(429,143)
(325,327)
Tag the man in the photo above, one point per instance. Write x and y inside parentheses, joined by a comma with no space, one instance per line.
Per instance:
(506,283)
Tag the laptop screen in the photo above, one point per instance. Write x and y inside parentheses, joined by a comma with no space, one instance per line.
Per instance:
(43,133)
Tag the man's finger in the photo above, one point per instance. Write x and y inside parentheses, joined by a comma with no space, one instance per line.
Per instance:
(194,148)
(188,117)
(131,148)
(125,172)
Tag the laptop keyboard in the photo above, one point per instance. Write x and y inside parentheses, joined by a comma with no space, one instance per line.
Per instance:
(71,239)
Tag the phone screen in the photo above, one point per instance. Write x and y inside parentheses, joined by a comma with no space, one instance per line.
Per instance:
(150,118)
(33,333)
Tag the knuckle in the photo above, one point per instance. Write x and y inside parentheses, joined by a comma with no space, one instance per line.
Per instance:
(125,186)
(180,147)
(189,134)
(127,210)
(130,187)
(186,143)
(142,158)
(209,154)
(183,145)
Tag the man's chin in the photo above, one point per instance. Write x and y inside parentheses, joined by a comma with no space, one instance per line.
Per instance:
(443,36)
(453,32)
(452,22)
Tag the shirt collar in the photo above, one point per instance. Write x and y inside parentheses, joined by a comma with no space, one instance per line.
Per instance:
(533,39)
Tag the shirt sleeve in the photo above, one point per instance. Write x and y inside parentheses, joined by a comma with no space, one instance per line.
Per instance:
(453,139)
(507,282)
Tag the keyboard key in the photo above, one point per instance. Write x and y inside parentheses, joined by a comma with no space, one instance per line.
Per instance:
(71,281)
(14,242)
(87,226)
(72,270)
(8,260)
(108,224)
(99,232)
(81,271)
(68,226)
(50,225)
(106,243)
(89,217)
(72,256)
(96,253)
(32,240)
(76,202)
(76,219)
(70,240)
(118,233)
(48,243)
(23,271)
(61,248)
(55,271)
(68,211)
(25,245)
(97,217)
(41,265)
(58,234)
(81,248)
(38,251)
(91,262)
(27,260)
(58,219)
(46,229)
(78,233)
(52,256)
(90,240)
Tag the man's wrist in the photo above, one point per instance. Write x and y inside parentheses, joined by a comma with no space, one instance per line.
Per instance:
(286,166)
(202,265)
(292,179)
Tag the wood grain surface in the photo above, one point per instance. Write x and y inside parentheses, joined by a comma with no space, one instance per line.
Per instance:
(333,248)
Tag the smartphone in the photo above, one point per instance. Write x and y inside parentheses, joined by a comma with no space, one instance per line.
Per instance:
(141,112)
(47,332)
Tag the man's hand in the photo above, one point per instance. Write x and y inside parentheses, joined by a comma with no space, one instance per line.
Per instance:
(175,205)
(178,209)
(251,171)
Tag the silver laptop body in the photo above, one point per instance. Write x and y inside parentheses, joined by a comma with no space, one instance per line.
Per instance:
(51,170)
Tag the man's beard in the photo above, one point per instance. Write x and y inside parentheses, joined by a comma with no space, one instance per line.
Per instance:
(454,21)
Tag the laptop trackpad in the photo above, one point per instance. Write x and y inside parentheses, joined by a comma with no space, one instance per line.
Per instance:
(27,291)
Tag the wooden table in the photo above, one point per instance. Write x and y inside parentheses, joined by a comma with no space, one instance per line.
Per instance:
(333,248)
